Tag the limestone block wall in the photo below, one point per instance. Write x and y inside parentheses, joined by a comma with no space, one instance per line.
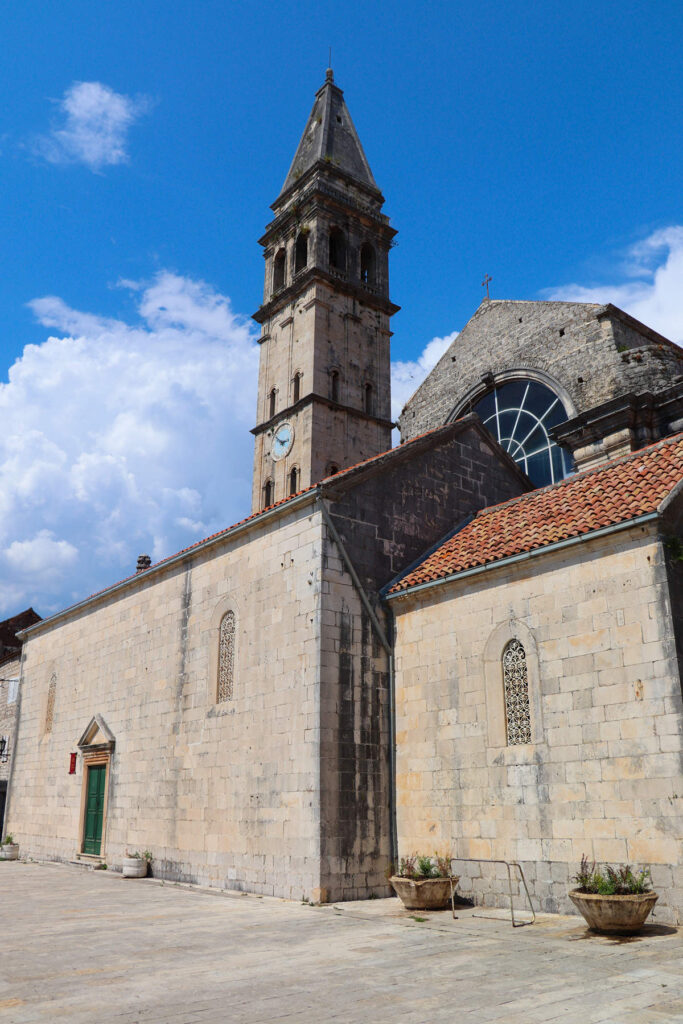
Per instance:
(221,793)
(9,694)
(592,354)
(354,741)
(603,774)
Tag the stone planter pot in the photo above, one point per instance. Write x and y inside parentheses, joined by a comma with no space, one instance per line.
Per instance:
(424,894)
(10,851)
(134,867)
(621,915)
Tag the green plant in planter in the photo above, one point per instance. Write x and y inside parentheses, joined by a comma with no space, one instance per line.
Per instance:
(421,866)
(8,840)
(612,881)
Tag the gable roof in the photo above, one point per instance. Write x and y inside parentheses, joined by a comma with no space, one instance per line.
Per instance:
(619,492)
(10,646)
(330,137)
(329,486)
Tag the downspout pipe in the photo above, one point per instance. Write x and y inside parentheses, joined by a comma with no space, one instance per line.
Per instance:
(387,644)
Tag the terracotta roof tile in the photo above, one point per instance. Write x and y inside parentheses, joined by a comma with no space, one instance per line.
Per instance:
(342,474)
(617,492)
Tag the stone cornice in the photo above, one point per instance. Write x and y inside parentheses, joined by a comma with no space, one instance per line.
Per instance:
(310,399)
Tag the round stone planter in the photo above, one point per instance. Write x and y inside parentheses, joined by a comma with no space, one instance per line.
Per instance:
(424,894)
(134,867)
(10,851)
(620,915)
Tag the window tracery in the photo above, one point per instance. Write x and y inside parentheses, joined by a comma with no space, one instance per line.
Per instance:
(516,686)
(520,415)
(50,709)
(226,657)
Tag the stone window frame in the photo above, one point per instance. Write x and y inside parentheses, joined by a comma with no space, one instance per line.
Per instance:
(495,686)
(225,605)
(50,703)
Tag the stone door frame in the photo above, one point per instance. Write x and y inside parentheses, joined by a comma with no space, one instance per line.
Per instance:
(94,754)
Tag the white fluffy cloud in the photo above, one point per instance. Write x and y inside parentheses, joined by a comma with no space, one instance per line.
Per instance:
(120,438)
(93,127)
(407,376)
(651,286)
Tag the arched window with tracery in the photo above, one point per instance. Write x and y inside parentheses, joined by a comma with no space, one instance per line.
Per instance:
(516,687)
(50,708)
(520,414)
(226,657)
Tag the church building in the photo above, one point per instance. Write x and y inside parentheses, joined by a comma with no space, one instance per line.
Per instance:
(468,643)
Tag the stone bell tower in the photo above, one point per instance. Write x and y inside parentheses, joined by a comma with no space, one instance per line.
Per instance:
(324,377)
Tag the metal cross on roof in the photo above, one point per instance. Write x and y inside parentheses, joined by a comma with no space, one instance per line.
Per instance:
(485,284)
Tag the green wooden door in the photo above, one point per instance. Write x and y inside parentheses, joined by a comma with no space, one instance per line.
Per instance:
(94,807)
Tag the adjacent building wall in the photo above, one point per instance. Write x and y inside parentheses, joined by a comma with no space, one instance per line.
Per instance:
(603,775)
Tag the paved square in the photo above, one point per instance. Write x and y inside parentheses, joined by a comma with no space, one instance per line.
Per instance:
(83,946)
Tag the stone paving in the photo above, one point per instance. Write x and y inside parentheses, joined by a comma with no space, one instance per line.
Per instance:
(92,948)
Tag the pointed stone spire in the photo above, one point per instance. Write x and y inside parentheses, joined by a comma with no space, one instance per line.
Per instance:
(330,139)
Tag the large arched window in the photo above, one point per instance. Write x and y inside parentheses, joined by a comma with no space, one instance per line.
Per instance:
(519,414)
(516,683)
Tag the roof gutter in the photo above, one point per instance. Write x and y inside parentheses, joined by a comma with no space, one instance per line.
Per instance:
(525,555)
(294,503)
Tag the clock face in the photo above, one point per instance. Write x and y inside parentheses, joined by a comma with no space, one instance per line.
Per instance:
(283,439)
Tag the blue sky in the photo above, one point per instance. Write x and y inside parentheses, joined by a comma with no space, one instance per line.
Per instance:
(140,148)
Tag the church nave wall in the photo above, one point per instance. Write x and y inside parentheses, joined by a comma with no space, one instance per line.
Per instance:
(602,772)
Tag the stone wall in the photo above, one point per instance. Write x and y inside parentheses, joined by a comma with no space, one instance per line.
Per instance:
(9,693)
(603,774)
(594,353)
(221,793)
(386,518)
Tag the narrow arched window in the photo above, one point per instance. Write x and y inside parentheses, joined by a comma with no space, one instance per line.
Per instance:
(272,403)
(267,493)
(332,469)
(301,252)
(50,708)
(279,265)
(226,657)
(368,399)
(294,480)
(334,385)
(296,387)
(367,264)
(337,249)
(516,686)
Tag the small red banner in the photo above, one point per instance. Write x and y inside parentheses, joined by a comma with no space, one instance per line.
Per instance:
(72,764)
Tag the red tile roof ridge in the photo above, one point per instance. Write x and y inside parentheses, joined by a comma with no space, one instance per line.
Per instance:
(576,507)
(241,522)
(582,474)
